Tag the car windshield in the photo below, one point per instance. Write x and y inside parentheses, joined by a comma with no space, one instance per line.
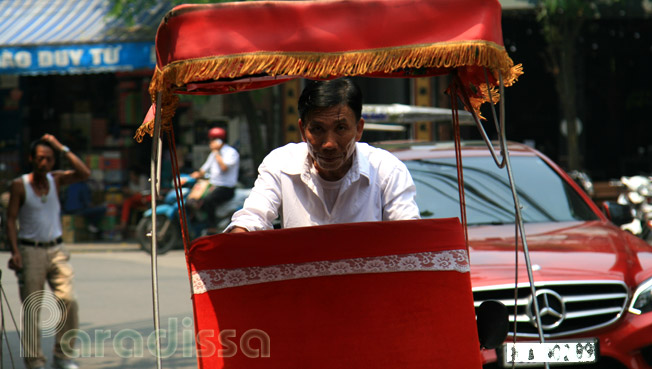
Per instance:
(543,194)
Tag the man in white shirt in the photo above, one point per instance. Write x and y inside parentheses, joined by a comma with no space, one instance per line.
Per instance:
(330,177)
(221,166)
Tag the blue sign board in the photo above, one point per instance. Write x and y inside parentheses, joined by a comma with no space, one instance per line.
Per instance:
(75,59)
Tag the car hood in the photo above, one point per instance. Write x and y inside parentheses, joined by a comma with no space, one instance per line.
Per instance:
(558,251)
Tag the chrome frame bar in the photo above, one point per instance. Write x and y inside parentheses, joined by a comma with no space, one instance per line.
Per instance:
(505,162)
(499,129)
(155,185)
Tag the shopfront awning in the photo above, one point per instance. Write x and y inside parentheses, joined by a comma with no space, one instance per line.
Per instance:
(63,36)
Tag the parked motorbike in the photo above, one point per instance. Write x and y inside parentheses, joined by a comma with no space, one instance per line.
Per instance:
(583,179)
(168,231)
(638,196)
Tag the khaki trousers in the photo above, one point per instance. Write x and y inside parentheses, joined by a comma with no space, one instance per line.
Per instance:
(51,265)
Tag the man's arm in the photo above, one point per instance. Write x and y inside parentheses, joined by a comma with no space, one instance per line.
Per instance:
(79,172)
(201,172)
(197,174)
(399,196)
(16,198)
(261,207)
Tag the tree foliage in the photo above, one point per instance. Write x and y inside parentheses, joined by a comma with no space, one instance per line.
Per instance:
(130,9)
(562,23)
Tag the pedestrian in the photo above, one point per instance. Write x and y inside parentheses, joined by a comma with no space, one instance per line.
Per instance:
(330,177)
(37,251)
(221,167)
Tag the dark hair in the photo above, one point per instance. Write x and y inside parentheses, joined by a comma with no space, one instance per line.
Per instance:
(39,142)
(319,95)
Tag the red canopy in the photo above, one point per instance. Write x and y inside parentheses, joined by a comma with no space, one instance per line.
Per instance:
(231,47)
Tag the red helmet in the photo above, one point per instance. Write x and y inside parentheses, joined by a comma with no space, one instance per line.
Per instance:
(216,132)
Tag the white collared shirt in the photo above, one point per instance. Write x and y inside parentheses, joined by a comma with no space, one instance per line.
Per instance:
(377,187)
(216,176)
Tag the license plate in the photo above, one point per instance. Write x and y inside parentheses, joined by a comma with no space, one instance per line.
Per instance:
(535,353)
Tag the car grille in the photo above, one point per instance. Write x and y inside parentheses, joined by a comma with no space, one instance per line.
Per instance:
(567,307)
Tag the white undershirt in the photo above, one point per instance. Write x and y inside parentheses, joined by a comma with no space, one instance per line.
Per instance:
(39,217)
(330,189)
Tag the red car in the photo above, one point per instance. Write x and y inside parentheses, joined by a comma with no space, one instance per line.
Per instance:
(593,280)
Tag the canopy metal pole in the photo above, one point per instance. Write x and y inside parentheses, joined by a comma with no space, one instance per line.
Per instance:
(155,172)
(517,206)
(483,133)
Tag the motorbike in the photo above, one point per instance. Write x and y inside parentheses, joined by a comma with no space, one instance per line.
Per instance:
(168,229)
(638,196)
(583,179)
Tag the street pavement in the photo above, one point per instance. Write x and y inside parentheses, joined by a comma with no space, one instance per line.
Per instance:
(114,289)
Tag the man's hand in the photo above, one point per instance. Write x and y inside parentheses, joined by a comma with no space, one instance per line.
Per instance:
(15,262)
(237,229)
(53,140)
(216,145)
(79,172)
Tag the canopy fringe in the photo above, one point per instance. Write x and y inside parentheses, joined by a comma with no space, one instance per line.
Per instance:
(467,54)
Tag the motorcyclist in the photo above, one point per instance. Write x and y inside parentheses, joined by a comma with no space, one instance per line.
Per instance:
(221,168)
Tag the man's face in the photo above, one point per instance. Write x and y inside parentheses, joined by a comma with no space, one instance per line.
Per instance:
(331,135)
(43,160)
(216,144)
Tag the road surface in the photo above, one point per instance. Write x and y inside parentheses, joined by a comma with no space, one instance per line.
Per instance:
(113,285)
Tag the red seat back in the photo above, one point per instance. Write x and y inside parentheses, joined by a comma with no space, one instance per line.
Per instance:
(364,295)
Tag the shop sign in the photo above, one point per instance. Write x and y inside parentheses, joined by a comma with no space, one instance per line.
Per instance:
(64,59)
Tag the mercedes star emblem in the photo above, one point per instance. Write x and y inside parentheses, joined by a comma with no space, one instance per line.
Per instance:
(551,308)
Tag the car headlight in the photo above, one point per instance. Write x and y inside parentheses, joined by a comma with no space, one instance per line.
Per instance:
(642,299)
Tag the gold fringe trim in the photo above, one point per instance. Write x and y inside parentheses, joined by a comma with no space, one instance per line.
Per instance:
(323,65)
(494,97)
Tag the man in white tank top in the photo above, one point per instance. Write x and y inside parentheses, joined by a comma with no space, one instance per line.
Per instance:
(37,253)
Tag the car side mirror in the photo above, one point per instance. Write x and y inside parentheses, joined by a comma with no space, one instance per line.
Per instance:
(619,214)
(493,323)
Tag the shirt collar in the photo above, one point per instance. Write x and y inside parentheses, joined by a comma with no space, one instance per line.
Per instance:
(302,167)
(296,167)
(361,161)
